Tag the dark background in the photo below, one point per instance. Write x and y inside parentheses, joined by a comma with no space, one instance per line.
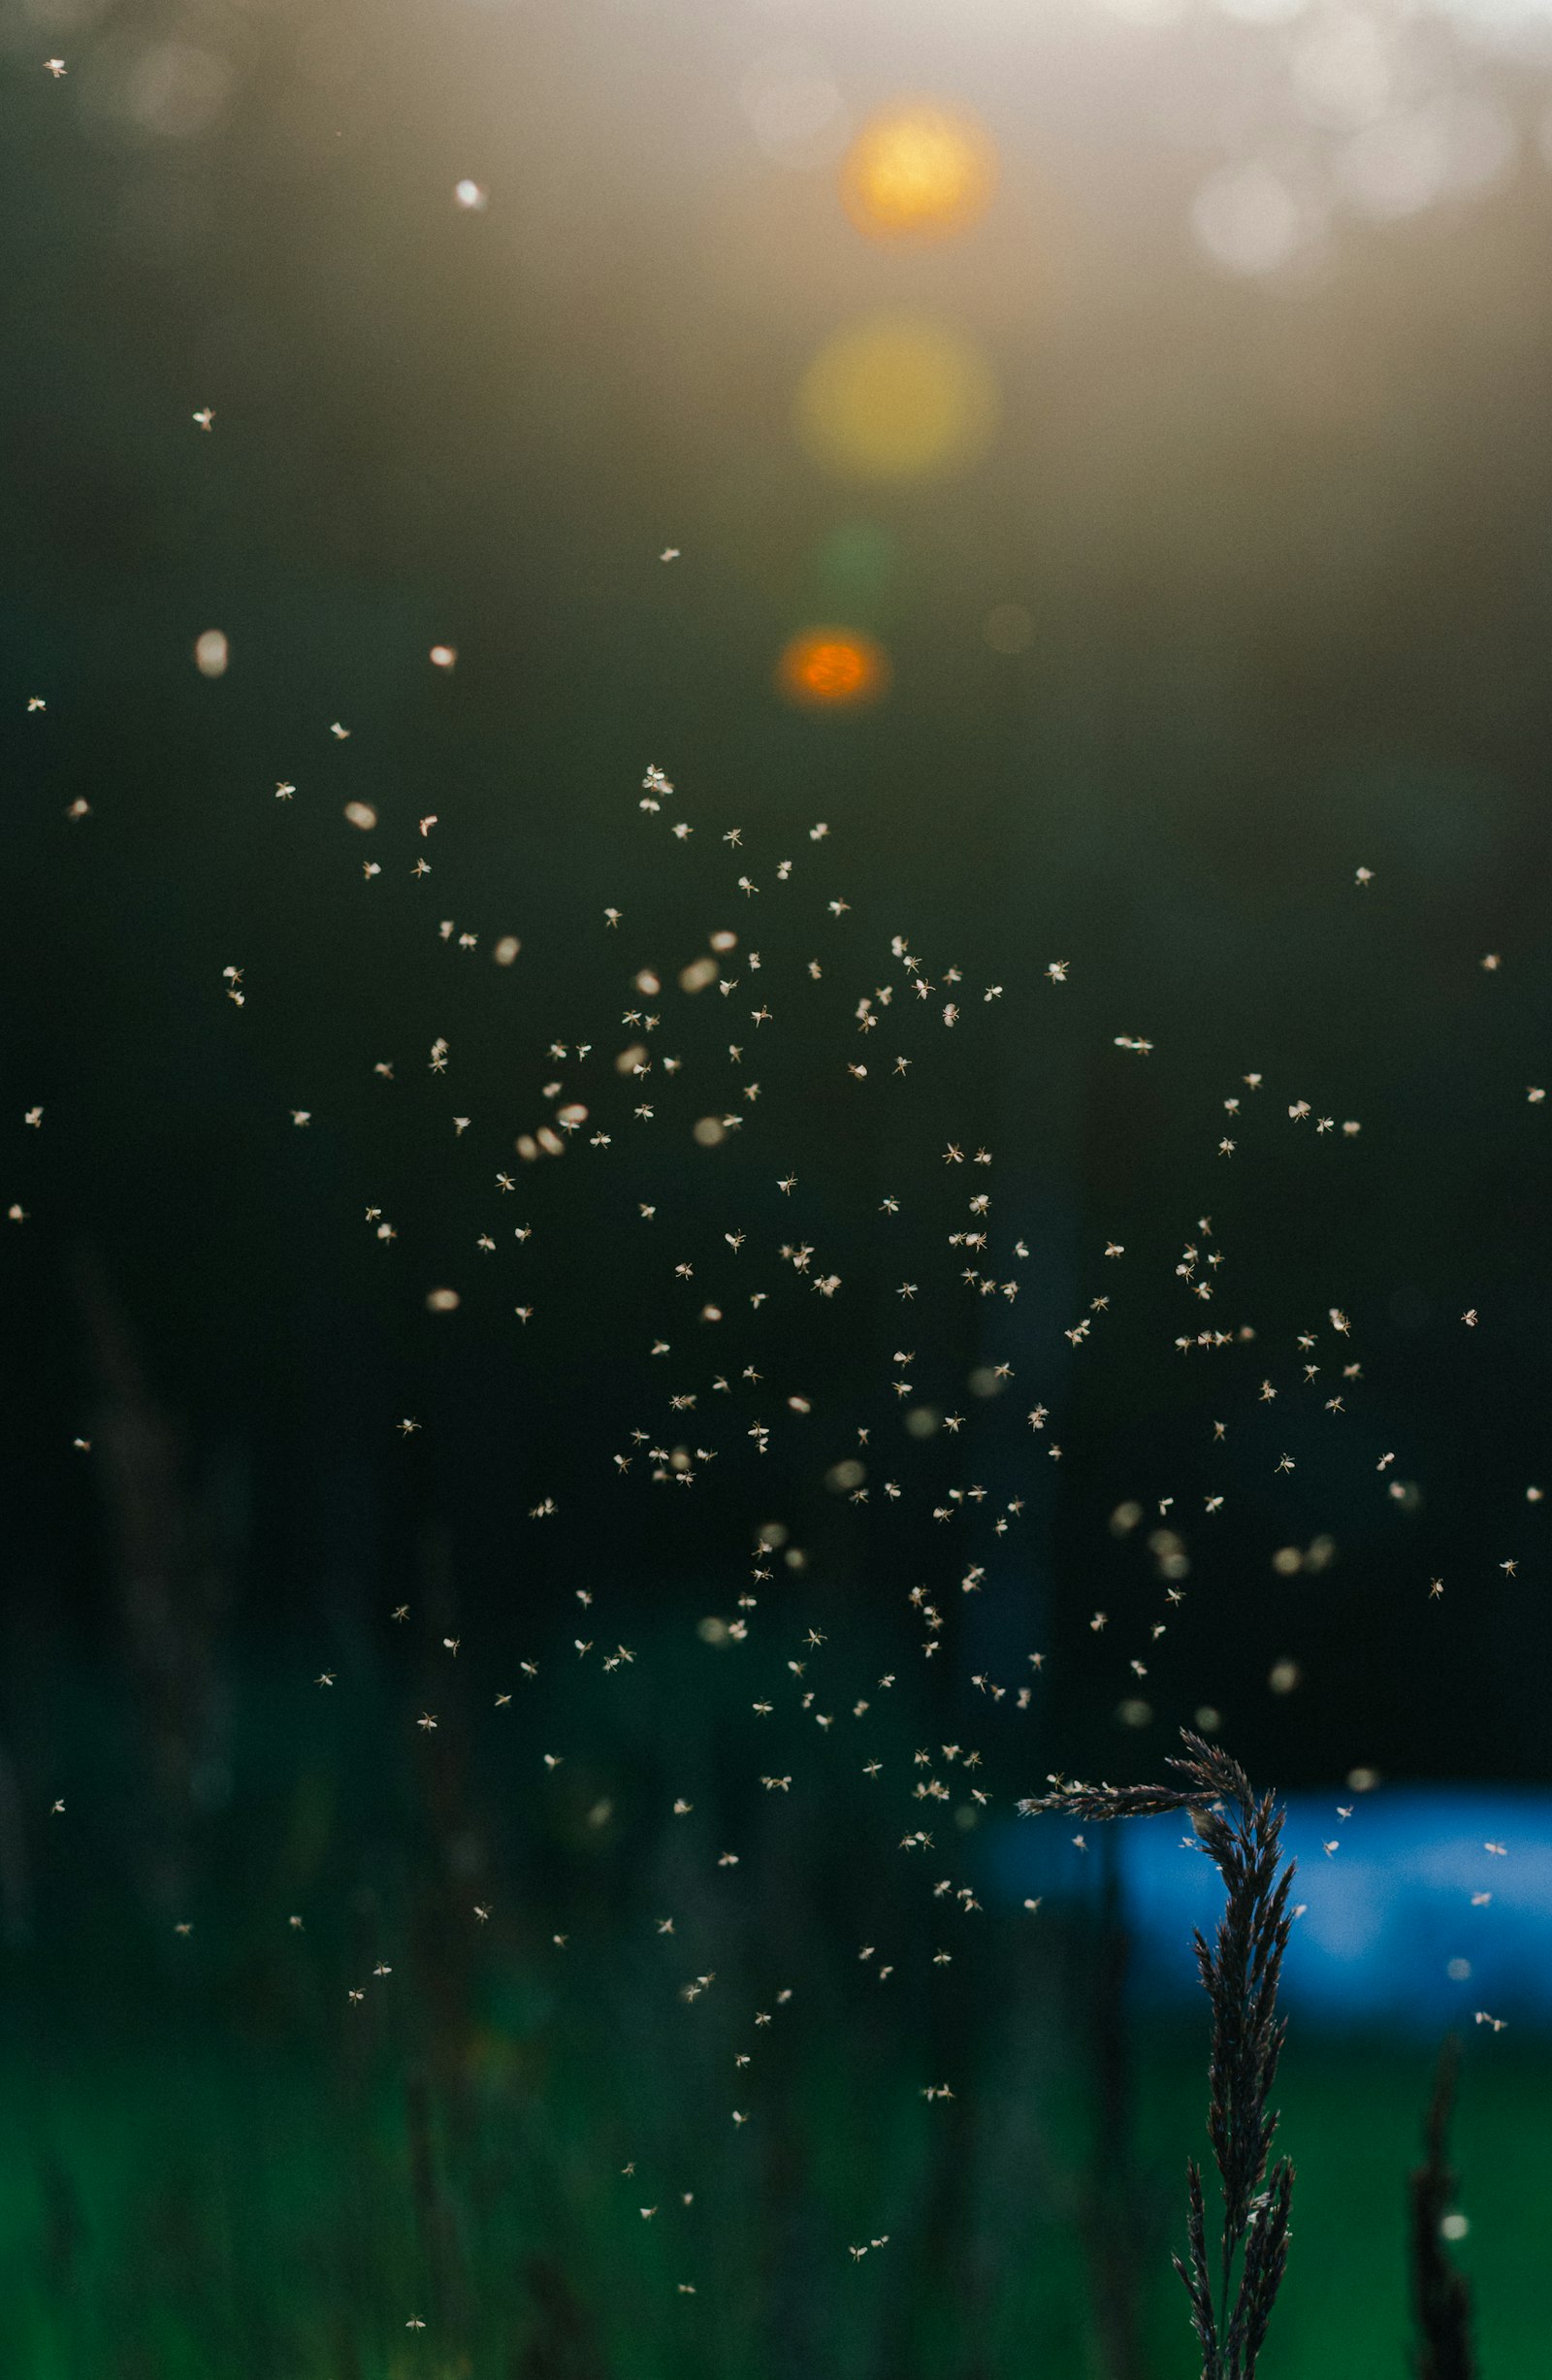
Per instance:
(1282,541)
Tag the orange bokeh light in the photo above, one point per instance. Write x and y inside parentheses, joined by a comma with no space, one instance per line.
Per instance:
(918,171)
(833,669)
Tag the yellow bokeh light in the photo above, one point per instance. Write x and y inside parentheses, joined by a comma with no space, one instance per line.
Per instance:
(896,398)
(918,171)
(833,669)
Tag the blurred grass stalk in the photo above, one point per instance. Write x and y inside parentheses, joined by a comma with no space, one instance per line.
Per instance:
(1441,2300)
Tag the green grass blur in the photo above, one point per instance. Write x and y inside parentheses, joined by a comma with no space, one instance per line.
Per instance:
(196,2209)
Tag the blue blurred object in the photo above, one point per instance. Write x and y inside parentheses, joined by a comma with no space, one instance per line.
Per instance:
(1411,1920)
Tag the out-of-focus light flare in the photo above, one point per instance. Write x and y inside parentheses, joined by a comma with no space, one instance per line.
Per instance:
(470,197)
(443,656)
(918,171)
(1248,219)
(211,653)
(173,89)
(896,398)
(833,669)
(795,108)
(1453,143)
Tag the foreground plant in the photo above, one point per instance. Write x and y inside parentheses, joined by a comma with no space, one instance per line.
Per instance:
(1242,1834)
(1440,2298)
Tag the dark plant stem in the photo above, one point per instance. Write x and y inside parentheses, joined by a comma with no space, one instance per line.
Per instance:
(1441,2298)
(1241,1834)
(1114,2202)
